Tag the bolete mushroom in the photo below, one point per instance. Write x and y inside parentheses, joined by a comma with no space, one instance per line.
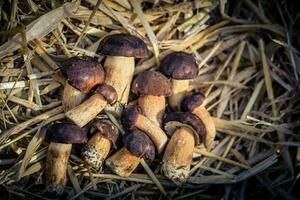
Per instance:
(89,109)
(61,136)
(132,117)
(181,68)
(152,87)
(178,155)
(121,49)
(82,74)
(193,103)
(98,146)
(137,145)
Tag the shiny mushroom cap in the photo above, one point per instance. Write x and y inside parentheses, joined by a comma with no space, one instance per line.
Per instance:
(151,83)
(123,45)
(83,73)
(108,92)
(107,129)
(129,116)
(139,144)
(66,133)
(192,101)
(179,66)
(189,119)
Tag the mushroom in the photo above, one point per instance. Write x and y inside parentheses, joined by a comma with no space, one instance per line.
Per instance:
(61,136)
(193,103)
(132,118)
(82,74)
(181,68)
(137,145)
(152,87)
(98,147)
(178,155)
(89,109)
(121,49)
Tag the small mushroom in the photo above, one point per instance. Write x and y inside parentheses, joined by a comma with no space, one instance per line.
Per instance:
(98,147)
(132,118)
(152,87)
(121,49)
(82,74)
(193,103)
(137,145)
(181,68)
(179,151)
(61,136)
(89,109)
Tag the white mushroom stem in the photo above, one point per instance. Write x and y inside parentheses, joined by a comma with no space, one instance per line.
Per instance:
(208,122)
(155,133)
(180,88)
(71,97)
(96,150)
(178,155)
(56,166)
(119,73)
(87,111)
(153,107)
(123,162)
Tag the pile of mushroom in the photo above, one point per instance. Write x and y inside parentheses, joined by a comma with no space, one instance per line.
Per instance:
(146,122)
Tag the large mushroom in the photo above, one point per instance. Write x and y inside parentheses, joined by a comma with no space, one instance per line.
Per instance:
(121,49)
(152,87)
(193,103)
(137,145)
(89,109)
(181,68)
(99,145)
(132,118)
(185,129)
(82,74)
(61,136)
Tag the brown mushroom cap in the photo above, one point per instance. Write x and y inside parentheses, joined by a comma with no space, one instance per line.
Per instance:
(66,133)
(151,83)
(83,73)
(191,102)
(139,144)
(191,120)
(108,92)
(123,45)
(129,116)
(107,129)
(179,65)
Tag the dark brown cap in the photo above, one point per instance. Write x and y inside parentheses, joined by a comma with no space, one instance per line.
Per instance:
(66,133)
(190,119)
(123,45)
(83,73)
(151,83)
(108,92)
(192,101)
(179,65)
(139,144)
(107,129)
(129,116)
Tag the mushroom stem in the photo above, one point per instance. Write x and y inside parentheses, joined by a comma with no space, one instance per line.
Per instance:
(208,122)
(119,73)
(178,155)
(153,107)
(96,150)
(123,162)
(179,90)
(56,167)
(155,133)
(71,97)
(88,110)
